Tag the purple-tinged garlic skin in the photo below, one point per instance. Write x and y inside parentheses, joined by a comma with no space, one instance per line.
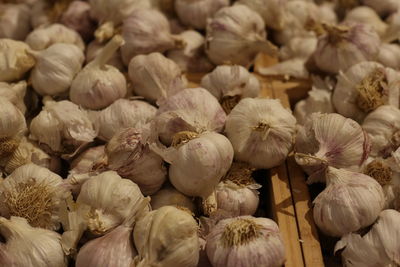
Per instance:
(77,17)
(245,241)
(145,31)
(14,21)
(195,13)
(350,202)
(346,46)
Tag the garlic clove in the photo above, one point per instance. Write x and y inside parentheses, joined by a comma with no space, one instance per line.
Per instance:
(155,77)
(57,65)
(169,196)
(14,21)
(261,132)
(44,37)
(98,85)
(16,60)
(15,93)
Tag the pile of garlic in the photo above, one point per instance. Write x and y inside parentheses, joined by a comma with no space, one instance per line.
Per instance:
(130,130)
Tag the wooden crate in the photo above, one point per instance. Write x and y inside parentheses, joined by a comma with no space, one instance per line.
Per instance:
(289,197)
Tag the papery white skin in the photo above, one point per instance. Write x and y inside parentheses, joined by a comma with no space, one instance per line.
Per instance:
(349,202)
(29,152)
(43,37)
(383,7)
(14,93)
(289,68)
(389,56)
(16,60)
(62,127)
(195,13)
(161,241)
(111,201)
(155,77)
(77,17)
(14,21)
(55,68)
(360,43)
(194,109)
(266,249)
(379,247)
(169,196)
(267,146)
(129,154)
(392,33)
(114,249)
(366,15)
(298,47)
(31,173)
(330,140)
(98,85)
(121,114)
(29,246)
(94,48)
(12,121)
(197,166)
(236,35)
(146,31)
(345,95)
(226,81)
(381,125)
(192,57)
(272,11)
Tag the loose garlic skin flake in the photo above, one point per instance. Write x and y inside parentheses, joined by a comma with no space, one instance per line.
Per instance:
(261,131)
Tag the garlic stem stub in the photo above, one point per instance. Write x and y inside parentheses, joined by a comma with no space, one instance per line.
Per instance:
(98,85)
(245,241)
(261,132)
(350,201)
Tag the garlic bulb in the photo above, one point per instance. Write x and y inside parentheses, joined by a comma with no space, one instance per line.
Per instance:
(364,87)
(155,77)
(382,7)
(93,50)
(14,93)
(28,246)
(330,140)
(191,58)
(62,127)
(98,85)
(169,196)
(366,15)
(34,193)
(146,31)
(235,195)
(111,13)
(28,152)
(114,249)
(43,37)
(16,61)
(194,110)
(318,100)
(383,128)
(392,33)
(349,202)
(195,13)
(272,11)
(261,131)
(14,21)
(161,241)
(236,35)
(77,17)
(389,56)
(110,200)
(56,66)
(122,114)
(290,68)
(229,84)
(39,13)
(379,247)
(128,153)
(245,241)
(346,45)
(198,161)
(298,47)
